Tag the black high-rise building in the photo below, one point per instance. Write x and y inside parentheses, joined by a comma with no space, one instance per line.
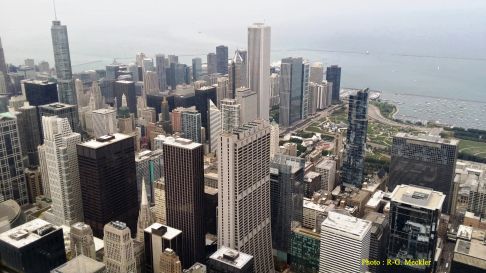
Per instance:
(333,74)
(202,97)
(184,184)
(222,59)
(108,181)
(34,247)
(424,160)
(62,110)
(287,193)
(353,167)
(126,88)
(40,92)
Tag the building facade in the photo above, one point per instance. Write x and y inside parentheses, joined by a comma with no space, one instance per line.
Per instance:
(62,58)
(118,251)
(333,74)
(244,215)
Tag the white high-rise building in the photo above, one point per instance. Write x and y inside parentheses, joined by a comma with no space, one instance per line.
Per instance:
(342,232)
(82,241)
(119,256)
(223,89)
(151,83)
(259,36)
(214,126)
(247,99)
(274,89)
(104,122)
(230,114)
(61,163)
(244,193)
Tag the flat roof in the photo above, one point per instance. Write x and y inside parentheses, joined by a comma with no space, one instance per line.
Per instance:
(170,234)
(27,233)
(103,111)
(56,106)
(346,225)
(428,138)
(418,197)
(80,263)
(95,143)
(326,164)
(471,253)
(231,257)
(181,143)
(311,205)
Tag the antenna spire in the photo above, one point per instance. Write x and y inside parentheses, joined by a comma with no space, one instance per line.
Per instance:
(55,12)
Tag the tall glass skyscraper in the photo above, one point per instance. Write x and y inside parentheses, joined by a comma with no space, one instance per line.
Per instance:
(333,74)
(222,59)
(356,139)
(294,91)
(62,58)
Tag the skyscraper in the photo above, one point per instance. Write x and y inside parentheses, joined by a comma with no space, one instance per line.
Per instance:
(119,255)
(415,213)
(108,181)
(4,78)
(333,74)
(169,262)
(424,160)
(247,99)
(237,74)
(62,58)
(184,180)
(230,115)
(126,88)
(327,169)
(274,90)
(150,83)
(30,133)
(244,216)
(196,68)
(158,238)
(61,163)
(202,97)
(291,91)
(161,71)
(81,240)
(40,92)
(212,63)
(353,166)
(214,126)
(36,246)
(316,73)
(222,59)
(12,182)
(104,122)
(191,125)
(287,193)
(338,231)
(259,37)
(223,89)
(62,110)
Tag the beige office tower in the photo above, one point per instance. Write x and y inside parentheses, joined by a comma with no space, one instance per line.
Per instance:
(244,193)
(145,216)
(259,36)
(230,114)
(159,200)
(274,139)
(214,126)
(151,83)
(82,241)
(169,262)
(59,159)
(327,169)
(316,74)
(247,99)
(81,97)
(104,122)
(223,90)
(274,90)
(119,256)
(96,93)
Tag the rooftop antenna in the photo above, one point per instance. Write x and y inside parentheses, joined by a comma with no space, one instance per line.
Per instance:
(55,12)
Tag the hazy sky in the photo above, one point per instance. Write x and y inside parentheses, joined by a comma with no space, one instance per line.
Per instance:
(103,29)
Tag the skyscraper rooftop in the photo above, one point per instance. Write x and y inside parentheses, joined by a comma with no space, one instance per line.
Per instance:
(347,225)
(418,196)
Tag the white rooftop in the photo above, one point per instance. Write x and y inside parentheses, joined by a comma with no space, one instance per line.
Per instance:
(104,141)
(231,257)
(80,263)
(170,234)
(418,197)
(428,138)
(346,225)
(27,233)
(104,111)
(181,143)
(308,204)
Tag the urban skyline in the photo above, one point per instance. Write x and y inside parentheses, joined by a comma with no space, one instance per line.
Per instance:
(228,163)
